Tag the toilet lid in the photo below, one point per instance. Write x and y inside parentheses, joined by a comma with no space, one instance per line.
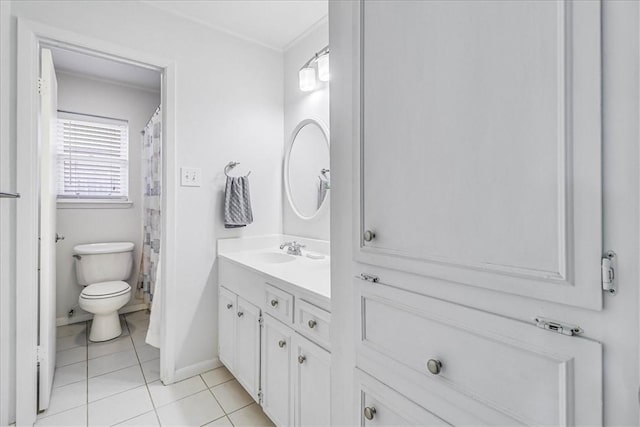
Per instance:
(105,290)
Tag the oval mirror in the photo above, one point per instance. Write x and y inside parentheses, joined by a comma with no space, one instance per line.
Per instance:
(306,168)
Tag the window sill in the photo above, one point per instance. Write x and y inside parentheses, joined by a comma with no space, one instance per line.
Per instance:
(93,204)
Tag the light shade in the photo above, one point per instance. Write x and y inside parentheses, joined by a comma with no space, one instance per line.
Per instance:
(323,67)
(307,77)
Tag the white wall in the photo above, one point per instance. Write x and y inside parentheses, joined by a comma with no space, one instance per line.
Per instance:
(298,106)
(97,97)
(228,107)
(616,326)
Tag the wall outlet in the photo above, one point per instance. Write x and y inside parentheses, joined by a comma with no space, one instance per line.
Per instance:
(190,177)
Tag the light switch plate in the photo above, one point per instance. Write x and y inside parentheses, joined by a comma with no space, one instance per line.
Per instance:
(190,177)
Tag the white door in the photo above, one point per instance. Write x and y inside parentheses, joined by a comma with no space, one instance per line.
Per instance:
(481,144)
(48,180)
(276,371)
(247,361)
(226,327)
(312,383)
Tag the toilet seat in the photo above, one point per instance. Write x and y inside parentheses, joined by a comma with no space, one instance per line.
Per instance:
(104,290)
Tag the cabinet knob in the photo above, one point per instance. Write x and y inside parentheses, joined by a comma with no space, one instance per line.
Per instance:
(434,366)
(369,412)
(282,343)
(368,235)
(301,359)
(229,306)
(274,303)
(240,314)
(312,324)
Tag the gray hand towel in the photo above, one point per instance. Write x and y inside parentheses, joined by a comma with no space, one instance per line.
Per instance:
(237,202)
(323,186)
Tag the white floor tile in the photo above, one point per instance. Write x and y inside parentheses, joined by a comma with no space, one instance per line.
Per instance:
(151,370)
(112,362)
(217,376)
(115,382)
(75,417)
(163,395)
(71,341)
(73,355)
(250,416)
(194,410)
(66,397)
(70,374)
(120,407)
(149,419)
(97,349)
(232,396)
(220,422)
(72,329)
(138,328)
(147,352)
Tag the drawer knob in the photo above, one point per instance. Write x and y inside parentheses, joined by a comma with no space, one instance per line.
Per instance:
(274,303)
(229,306)
(368,235)
(282,343)
(434,366)
(301,359)
(240,314)
(369,412)
(312,324)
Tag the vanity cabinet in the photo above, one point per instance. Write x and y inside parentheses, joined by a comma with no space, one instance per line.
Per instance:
(239,339)
(277,358)
(312,384)
(275,342)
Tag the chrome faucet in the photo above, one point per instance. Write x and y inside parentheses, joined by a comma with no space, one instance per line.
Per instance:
(293,248)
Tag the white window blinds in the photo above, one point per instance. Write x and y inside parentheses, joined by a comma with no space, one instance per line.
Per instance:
(93,158)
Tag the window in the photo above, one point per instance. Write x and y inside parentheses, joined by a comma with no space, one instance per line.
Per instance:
(93,158)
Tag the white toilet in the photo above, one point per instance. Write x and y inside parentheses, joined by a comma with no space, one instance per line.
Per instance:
(102,268)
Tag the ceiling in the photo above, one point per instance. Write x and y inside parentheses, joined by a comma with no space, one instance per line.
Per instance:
(107,69)
(272,23)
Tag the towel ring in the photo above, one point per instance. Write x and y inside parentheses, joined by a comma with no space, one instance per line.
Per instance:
(230,166)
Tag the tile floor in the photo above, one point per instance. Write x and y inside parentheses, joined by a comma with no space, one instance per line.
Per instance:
(118,383)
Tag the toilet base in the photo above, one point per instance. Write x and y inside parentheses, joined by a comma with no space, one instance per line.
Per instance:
(105,327)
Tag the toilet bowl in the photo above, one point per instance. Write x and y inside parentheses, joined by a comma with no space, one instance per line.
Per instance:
(103,300)
(101,269)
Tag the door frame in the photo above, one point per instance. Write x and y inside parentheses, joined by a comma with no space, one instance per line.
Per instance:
(31,35)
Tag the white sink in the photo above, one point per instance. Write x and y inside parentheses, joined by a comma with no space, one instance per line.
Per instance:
(274,257)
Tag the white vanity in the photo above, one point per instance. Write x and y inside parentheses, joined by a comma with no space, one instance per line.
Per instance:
(274,317)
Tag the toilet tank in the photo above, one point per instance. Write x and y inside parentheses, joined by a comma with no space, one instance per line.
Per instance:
(102,262)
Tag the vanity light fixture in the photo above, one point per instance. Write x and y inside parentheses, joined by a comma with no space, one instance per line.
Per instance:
(307,74)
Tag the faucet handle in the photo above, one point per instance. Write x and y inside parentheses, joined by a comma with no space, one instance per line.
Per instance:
(285,244)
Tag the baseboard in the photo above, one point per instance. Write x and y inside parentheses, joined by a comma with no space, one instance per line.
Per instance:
(61,321)
(196,369)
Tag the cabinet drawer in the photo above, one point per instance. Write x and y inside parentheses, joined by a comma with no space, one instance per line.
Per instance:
(279,303)
(508,371)
(313,322)
(380,405)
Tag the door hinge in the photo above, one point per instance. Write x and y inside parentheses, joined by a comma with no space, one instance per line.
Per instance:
(260,320)
(40,84)
(260,395)
(369,277)
(41,354)
(558,327)
(609,273)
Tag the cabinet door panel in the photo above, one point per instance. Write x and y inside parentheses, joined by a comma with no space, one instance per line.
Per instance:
(226,328)
(276,371)
(312,384)
(247,361)
(481,144)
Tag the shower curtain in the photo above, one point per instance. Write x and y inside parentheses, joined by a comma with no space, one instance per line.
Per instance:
(150,282)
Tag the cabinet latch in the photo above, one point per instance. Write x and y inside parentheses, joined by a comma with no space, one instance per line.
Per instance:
(558,327)
(369,277)
(609,273)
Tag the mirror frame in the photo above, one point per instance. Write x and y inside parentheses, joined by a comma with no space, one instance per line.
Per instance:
(325,132)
